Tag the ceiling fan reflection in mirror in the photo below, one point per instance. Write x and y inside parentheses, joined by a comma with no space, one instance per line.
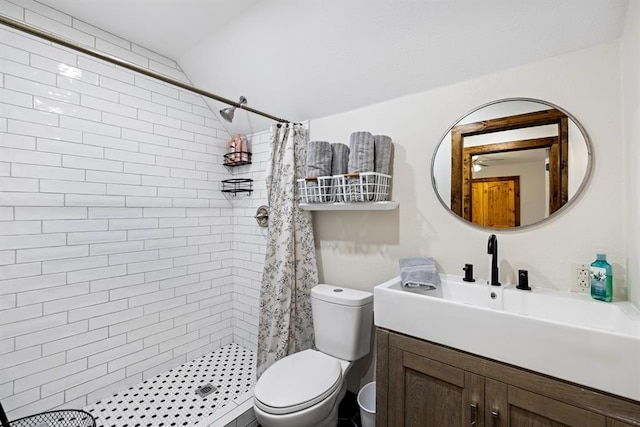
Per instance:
(480,162)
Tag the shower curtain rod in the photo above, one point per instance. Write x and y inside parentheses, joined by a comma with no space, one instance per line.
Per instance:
(125,64)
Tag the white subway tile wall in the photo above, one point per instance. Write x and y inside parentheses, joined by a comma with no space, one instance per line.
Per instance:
(120,257)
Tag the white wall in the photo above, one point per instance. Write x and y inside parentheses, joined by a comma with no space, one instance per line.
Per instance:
(117,250)
(631,134)
(361,249)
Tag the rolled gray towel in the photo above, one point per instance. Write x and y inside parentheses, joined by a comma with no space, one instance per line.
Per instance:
(340,159)
(319,156)
(383,147)
(361,152)
(361,159)
(419,273)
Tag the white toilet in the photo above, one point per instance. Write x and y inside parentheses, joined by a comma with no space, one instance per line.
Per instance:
(304,389)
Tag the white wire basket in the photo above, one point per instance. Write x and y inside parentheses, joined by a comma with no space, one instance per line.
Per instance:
(316,190)
(362,187)
(354,187)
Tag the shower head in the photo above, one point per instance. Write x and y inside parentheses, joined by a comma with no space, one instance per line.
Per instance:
(227,113)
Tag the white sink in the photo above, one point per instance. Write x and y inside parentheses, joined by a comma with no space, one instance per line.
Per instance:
(566,335)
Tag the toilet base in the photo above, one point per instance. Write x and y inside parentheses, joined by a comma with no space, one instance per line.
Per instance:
(307,417)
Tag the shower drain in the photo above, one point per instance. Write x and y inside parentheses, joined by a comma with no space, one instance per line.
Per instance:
(205,390)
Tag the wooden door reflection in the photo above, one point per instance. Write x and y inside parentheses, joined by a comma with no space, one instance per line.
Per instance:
(495,202)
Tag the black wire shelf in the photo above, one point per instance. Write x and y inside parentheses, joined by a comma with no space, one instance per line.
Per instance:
(236,186)
(237,158)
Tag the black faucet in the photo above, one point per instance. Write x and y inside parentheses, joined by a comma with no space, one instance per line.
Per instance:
(492,249)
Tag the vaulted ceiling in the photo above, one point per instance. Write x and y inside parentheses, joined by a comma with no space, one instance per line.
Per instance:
(304,59)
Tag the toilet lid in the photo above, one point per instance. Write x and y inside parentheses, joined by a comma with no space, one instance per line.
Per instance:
(297,381)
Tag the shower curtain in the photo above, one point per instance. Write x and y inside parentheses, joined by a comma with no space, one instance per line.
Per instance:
(285,323)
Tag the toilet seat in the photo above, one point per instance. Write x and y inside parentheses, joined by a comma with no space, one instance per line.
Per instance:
(297,382)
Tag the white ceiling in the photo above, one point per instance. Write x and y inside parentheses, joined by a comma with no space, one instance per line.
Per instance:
(304,59)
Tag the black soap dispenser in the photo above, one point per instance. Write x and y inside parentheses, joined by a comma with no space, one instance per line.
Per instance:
(523,280)
(468,273)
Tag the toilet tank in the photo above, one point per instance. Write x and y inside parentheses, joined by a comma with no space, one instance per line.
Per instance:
(342,321)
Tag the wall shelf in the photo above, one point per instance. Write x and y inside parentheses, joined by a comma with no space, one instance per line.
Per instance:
(237,185)
(357,206)
(237,158)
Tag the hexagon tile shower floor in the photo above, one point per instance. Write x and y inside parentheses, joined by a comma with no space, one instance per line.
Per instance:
(184,395)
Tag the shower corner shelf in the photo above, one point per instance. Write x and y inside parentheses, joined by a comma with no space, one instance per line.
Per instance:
(234,186)
(355,206)
(237,158)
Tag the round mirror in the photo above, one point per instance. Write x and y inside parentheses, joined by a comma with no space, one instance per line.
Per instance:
(511,163)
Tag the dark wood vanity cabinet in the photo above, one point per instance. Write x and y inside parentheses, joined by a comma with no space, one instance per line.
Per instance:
(423,384)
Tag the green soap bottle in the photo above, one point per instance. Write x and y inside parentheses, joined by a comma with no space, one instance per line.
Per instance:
(601,279)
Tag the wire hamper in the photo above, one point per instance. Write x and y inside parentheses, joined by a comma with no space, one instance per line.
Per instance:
(354,187)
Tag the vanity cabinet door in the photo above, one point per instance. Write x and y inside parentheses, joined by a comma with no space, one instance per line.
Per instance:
(427,393)
(507,405)
(530,409)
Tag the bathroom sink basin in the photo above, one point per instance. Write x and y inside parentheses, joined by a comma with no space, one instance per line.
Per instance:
(566,335)
(453,288)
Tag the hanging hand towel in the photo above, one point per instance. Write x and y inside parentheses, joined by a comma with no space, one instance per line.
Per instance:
(419,273)
(383,148)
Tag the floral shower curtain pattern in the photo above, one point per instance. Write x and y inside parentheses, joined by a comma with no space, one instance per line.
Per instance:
(285,323)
